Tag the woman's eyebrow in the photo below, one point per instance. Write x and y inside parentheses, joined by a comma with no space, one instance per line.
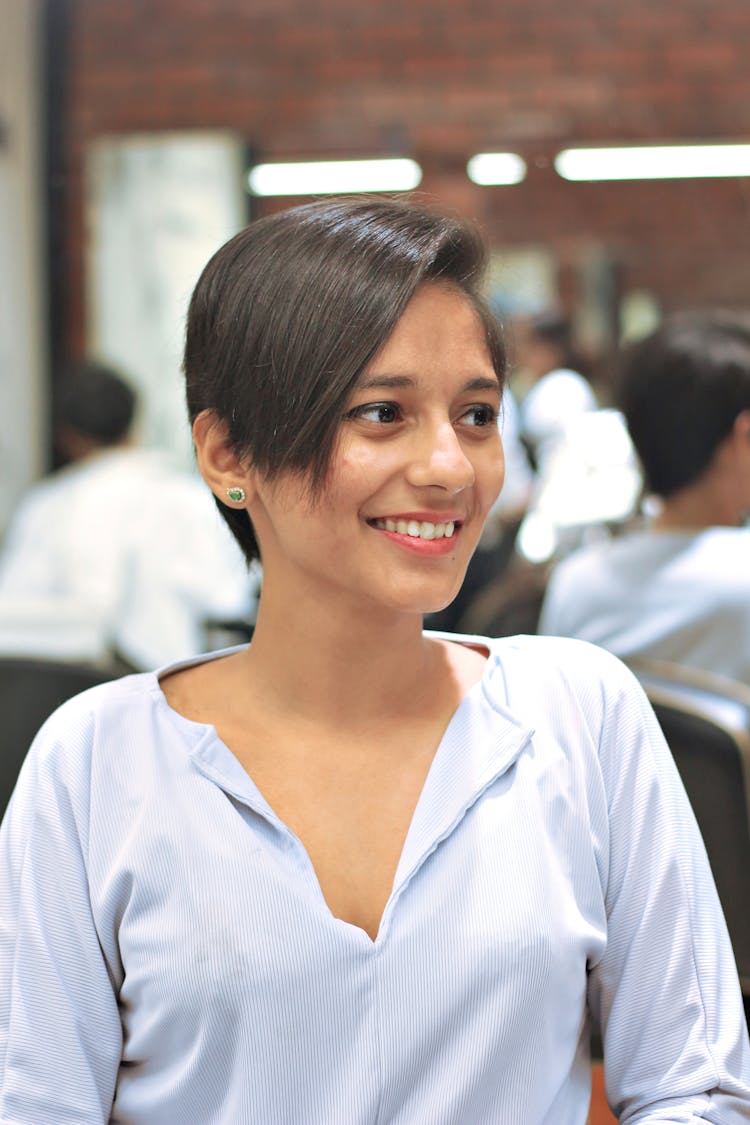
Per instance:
(385,381)
(481,383)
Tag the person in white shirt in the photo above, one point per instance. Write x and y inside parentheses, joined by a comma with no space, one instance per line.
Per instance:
(558,393)
(119,554)
(356,872)
(677,589)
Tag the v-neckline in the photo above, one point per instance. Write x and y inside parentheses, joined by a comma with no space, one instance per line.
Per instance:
(462,766)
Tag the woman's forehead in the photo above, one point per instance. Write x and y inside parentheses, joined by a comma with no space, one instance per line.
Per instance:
(440,329)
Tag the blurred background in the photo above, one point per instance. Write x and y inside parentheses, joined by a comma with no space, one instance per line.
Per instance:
(128,131)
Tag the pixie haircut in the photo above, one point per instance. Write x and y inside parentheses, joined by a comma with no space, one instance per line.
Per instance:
(681,389)
(287,315)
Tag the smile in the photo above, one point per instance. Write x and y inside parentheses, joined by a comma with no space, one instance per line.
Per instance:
(417,529)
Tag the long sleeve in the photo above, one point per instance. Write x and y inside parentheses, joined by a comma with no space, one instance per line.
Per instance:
(60,1031)
(665,990)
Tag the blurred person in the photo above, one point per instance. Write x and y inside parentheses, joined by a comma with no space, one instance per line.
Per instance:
(556,393)
(677,589)
(354,871)
(116,556)
(591,488)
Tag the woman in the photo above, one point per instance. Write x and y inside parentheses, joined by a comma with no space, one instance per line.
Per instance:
(336,877)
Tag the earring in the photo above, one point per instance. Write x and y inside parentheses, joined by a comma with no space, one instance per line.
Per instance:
(236,494)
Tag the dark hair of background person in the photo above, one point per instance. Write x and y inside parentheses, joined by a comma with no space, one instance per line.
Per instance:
(289,312)
(681,389)
(93,401)
(554,329)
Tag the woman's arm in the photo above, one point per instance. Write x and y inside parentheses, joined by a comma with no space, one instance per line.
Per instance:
(665,991)
(60,1031)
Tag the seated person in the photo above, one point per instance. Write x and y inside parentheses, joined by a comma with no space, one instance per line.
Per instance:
(118,554)
(558,394)
(679,588)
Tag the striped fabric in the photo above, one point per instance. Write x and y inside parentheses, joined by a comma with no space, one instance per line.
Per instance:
(166,955)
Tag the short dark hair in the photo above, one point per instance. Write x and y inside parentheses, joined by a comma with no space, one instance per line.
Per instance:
(288,313)
(681,389)
(554,328)
(94,400)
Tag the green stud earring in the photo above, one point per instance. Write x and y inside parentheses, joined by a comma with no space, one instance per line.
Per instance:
(236,495)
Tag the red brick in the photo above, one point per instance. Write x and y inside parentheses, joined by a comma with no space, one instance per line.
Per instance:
(447,79)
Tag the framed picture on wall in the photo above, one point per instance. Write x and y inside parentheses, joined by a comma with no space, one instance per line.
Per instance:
(522,280)
(157,206)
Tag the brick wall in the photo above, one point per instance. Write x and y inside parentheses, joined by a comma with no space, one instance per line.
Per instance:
(441,80)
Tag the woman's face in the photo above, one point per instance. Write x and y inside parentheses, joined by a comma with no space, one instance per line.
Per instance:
(417,465)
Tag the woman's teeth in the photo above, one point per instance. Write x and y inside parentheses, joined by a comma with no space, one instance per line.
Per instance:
(418,529)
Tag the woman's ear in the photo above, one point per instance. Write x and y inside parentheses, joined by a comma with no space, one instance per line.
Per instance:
(223,471)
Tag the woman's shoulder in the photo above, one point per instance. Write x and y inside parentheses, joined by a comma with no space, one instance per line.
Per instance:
(101,697)
(541,675)
(552,652)
(540,667)
(581,697)
(120,724)
(111,749)
(139,693)
(130,715)
(92,715)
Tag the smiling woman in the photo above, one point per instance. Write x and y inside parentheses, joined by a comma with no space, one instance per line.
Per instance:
(428,458)
(356,872)
(288,315)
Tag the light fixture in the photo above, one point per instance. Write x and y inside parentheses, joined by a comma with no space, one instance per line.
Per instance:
(325,177)
(654,162)
(488,168)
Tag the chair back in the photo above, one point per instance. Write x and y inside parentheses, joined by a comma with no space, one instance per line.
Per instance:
(508,605)
(706,722)
(30,690)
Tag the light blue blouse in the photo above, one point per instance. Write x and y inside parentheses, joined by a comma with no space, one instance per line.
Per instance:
(166,954)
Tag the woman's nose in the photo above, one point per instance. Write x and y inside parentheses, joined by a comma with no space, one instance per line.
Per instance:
(440,461)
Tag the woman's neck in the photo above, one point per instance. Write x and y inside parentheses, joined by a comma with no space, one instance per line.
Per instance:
(365,667)
(348,670)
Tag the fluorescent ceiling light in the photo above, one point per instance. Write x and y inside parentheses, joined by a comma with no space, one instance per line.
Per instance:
(323,177)
(496,168)
(654,162)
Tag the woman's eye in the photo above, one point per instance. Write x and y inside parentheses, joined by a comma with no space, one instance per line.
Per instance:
(380,412)
(481,415)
